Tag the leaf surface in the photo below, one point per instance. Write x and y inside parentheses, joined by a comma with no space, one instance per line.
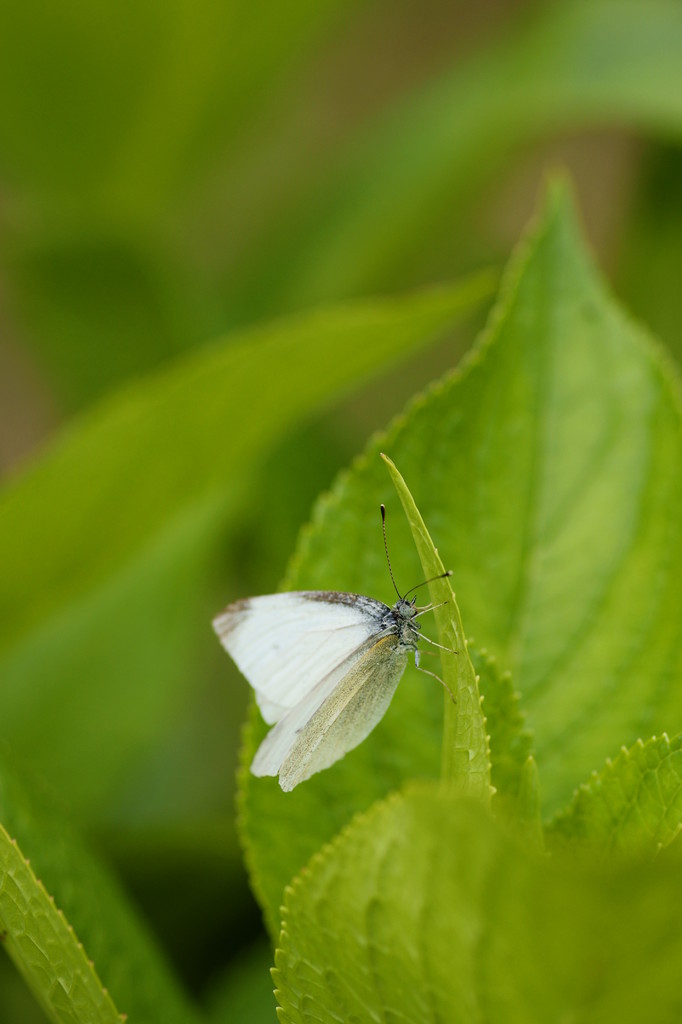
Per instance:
(466,752)
(67,890)
(634,802)
(549,470)
(510,739)
(43,946)
(550,473)
(424,910)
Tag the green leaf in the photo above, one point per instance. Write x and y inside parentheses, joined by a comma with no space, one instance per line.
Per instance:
(385,214)
(635,802)
(549,470)
(424,910)
(96,163)
(129,123)
(96,166)
(42,944)
(97,310)
(466,753)
(121,449)
(529,802)
(550,473)
(510,740)
(90,903)
(106,541)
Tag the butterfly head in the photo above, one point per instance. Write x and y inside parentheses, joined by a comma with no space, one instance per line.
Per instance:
(404,611)
(403,624)
(407,610)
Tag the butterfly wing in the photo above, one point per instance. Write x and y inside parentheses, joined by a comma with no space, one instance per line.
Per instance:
(335,717)
(286,644)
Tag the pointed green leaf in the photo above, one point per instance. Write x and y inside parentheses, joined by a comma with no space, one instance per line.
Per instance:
(550,473)
(635,802)
(42,944)
(91,904)
(424,910)
(510,739)
(529,807)
(466,753)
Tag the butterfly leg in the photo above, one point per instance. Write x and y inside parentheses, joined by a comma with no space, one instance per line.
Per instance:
(430,608)
(433,674)
(434,644)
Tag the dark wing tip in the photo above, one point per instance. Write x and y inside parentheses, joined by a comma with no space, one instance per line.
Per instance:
(225,621)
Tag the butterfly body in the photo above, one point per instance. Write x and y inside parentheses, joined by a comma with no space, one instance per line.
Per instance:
(324,666)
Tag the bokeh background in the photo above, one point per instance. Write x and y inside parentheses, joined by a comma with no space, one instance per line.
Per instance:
(173,172)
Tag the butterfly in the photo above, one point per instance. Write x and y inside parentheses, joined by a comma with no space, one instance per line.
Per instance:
(324,666)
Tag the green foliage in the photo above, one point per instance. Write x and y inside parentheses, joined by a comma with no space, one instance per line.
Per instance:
(122,443)
(177,172)
(533,468)
(115,117)
(465,754)
(510,740)
(61,912)
(575,64)
(160,473)
(635,802)
(111,169)
(424,909)
(44,948)
(282,831)
(529,806)
(549,471)
(550,468)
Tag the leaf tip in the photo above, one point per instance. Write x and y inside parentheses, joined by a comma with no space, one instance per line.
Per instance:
(559,193)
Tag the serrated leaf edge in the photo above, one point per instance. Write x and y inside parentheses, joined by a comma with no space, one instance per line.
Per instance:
(87,963)
(321,856)
(597,776)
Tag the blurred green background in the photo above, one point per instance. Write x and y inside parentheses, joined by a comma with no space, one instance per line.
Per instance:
(172,172)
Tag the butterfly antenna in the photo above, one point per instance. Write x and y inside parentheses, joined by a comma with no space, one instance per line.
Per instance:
(383,528)
(440,577)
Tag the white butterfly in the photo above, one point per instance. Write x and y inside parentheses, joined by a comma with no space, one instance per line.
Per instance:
(324,666)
